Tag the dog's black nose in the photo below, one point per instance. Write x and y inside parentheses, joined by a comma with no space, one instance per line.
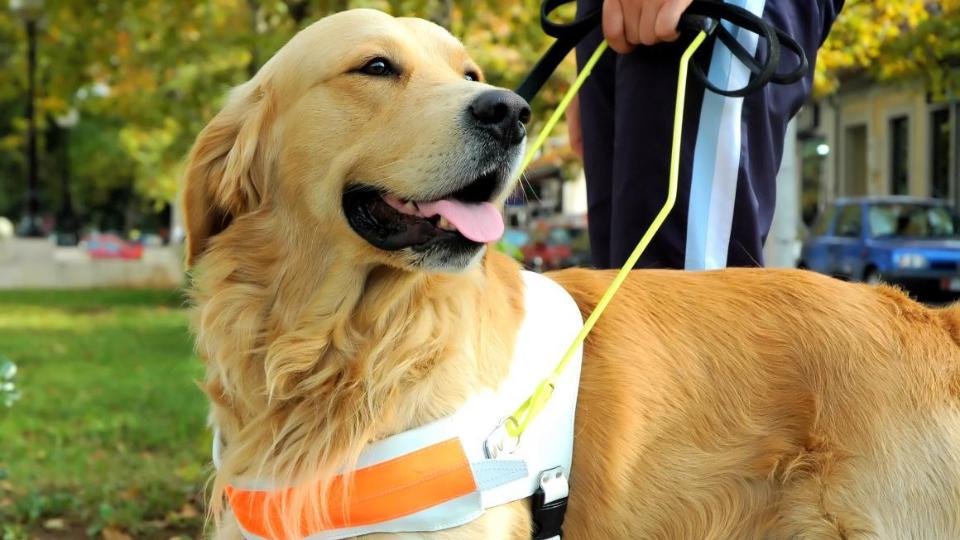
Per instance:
(502,113)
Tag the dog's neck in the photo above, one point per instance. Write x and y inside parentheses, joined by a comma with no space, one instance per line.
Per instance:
(303,369)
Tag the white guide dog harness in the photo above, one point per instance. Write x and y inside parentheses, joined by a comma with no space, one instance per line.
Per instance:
(448,472)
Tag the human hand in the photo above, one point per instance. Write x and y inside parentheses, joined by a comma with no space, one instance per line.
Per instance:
(628,23)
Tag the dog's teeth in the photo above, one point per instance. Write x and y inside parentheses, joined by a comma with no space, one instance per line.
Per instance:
(445,224)
(409,206)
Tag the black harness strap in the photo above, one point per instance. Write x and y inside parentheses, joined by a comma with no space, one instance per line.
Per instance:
(547,517)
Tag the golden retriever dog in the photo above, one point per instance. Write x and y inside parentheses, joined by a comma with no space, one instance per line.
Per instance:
(337,213)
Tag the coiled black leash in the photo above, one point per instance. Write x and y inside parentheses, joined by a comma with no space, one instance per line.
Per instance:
(700,15)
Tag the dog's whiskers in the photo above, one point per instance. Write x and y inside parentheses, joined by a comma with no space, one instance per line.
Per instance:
(523,178)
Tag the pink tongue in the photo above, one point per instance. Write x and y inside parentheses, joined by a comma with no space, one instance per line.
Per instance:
(478,222)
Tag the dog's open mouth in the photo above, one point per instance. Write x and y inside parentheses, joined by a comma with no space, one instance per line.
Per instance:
(390,222)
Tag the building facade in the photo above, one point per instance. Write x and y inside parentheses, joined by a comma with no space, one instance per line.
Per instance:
(880,139)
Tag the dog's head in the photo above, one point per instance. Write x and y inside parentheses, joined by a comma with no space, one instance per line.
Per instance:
(372,132)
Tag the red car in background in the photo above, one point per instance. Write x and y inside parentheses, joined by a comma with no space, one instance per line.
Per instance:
(111,246)
(558,247)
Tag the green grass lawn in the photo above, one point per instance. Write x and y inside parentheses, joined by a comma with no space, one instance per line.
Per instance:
(110,430)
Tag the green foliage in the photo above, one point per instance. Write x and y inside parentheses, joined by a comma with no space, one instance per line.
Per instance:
(893,39)
(111,428)
(931,51)
(146,76)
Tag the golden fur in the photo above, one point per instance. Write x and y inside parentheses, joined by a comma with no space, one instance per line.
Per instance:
(734,404)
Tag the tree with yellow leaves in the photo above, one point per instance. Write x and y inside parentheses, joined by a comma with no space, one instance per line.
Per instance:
(891,39)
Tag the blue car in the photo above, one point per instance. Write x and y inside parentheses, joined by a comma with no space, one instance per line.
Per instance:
(910,242)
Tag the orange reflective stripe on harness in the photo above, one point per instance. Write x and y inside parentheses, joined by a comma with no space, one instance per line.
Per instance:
(387,490)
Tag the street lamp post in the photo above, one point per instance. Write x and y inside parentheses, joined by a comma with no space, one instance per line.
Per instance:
(30,11)
(67,226)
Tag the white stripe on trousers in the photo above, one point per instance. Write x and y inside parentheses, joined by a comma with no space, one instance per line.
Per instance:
(716,160)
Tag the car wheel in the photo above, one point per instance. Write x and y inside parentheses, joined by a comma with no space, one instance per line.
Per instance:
(872,277)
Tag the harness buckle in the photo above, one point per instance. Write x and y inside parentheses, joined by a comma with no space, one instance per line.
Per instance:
(550,504)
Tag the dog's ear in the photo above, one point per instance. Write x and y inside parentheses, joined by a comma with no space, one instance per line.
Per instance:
(227,169)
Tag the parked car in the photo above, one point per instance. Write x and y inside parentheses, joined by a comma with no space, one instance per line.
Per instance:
(557,247)
(914,243)
(111,246)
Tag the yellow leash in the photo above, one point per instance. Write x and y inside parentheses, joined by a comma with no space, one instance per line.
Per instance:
(521,418)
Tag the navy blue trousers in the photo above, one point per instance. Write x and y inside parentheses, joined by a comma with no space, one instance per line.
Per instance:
(730,153)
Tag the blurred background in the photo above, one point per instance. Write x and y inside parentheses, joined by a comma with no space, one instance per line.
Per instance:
(102,430)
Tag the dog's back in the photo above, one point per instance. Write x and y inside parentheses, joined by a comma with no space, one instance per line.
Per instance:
(765,404)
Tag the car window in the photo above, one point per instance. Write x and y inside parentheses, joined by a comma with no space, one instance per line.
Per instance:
(850,221)
(912,220)
(822,225)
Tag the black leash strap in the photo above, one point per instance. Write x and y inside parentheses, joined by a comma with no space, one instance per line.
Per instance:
(568,35)
(700,15)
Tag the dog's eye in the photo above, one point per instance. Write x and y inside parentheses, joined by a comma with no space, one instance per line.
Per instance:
(378,67)
(471,76)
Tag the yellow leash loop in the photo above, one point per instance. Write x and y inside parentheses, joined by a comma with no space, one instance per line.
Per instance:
(521,418)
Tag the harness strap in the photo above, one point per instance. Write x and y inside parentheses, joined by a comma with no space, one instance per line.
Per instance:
(403,486)
(443,474)
(549,505)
